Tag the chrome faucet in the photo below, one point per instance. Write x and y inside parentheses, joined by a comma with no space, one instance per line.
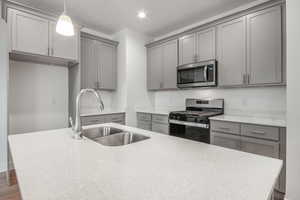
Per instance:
(77,129)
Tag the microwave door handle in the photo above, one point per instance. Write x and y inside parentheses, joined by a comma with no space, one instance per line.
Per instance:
(205,73)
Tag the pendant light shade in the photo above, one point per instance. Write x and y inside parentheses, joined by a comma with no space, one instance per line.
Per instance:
(64,24)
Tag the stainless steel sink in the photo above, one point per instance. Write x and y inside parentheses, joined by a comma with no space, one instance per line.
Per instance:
(110,136)
(93,133)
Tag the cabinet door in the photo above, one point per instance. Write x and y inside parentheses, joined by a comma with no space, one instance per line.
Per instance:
(206,45)
(154,68)
(187,49)
(89,66)
(260,147)
(264,46)
(107,66)
(226,140)
(170,61)
(63,46)
(29,33)
(231,52)
(160,128)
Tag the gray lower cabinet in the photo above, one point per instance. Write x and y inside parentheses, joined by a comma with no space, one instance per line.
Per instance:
(231,52)
(226,140)
(101,119)
(262,140)
(162,66)
(264,41)
(153,122)
(98,64)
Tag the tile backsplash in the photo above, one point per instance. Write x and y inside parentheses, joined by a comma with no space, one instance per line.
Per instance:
(262,101)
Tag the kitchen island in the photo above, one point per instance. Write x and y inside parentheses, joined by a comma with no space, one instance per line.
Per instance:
(51,165)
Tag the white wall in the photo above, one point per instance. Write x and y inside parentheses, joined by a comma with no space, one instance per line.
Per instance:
(293,100)
(132,64)
(38,97)
(4,76)
(262,102)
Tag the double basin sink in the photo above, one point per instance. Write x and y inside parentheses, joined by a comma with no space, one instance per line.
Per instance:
(110,136)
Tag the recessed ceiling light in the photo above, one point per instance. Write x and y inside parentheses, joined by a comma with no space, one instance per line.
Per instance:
(142,14)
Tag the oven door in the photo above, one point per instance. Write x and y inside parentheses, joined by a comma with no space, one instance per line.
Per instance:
(196,75)
(190,132)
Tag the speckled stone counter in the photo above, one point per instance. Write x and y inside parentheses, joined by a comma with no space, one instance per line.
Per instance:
(51,165)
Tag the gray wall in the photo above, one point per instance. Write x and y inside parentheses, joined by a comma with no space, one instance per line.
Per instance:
(293,99)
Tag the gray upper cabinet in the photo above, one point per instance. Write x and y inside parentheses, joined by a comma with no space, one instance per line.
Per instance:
(187,49)
(89,69)
(206,46)
(33,36)
(249,50)
(62,46)
(107,66)
(98,64)
(231,52)
(154,68)
(28,33)
(264,46)
(162,66)
(170,61)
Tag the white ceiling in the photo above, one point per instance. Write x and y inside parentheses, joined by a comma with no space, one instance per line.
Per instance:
(110,16)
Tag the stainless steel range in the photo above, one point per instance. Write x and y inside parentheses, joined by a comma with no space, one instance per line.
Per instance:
(193,123)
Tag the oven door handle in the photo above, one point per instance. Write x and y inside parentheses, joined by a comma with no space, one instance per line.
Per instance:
(200,125)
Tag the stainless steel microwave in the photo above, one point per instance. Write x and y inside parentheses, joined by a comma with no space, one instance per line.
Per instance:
(202,74)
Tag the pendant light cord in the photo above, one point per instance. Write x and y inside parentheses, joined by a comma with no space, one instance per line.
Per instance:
(65,7)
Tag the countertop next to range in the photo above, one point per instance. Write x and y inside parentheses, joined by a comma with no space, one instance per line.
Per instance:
(52,165)
(266,121)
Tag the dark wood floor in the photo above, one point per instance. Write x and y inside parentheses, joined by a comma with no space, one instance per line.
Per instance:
(9,192)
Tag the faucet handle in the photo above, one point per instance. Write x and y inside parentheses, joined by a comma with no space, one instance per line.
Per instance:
(71,122)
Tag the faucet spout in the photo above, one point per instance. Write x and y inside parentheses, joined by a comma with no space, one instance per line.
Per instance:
(77,126)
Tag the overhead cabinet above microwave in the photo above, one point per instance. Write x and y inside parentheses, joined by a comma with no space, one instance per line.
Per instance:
(33,36)
(197,47)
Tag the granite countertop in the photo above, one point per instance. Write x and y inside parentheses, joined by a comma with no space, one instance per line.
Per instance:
(51,165)
(153,111)
(251,120)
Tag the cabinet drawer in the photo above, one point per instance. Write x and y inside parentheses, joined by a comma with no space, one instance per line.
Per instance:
(264,132)
(162,119)
(144,125)
(226,140)
(226,127)
(114,118)
(160,128)
(92,120)
(144,116)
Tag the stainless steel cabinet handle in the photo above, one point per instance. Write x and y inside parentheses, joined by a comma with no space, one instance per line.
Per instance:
(224,128)
(258,132)
(244,78)
(248,79)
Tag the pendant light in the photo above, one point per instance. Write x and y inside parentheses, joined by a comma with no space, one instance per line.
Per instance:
(64,24)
